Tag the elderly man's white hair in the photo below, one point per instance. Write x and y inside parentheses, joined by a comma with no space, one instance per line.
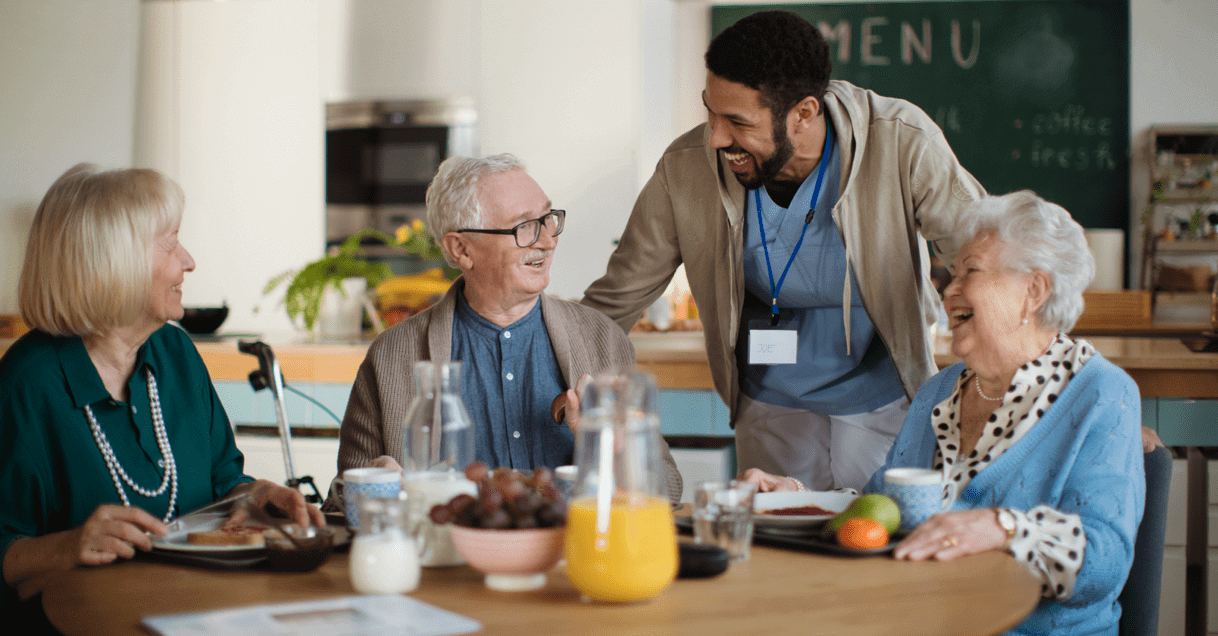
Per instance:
(452,197)
(1039,236)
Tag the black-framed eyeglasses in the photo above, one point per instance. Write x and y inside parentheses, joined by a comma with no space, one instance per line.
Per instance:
(528,232)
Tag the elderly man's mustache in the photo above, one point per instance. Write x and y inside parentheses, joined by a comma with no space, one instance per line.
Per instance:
(534,256)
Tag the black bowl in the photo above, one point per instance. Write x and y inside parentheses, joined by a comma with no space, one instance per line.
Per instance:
(202,320)
(315,546)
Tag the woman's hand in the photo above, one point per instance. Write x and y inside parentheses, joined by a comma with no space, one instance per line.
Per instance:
(949,535)
(766,482)
(289,500)
(1150,439)
(111,532)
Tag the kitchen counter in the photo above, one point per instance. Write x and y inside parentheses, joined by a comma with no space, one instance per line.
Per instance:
(1162,366)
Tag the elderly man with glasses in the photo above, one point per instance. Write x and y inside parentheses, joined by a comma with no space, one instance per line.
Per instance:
(523,352)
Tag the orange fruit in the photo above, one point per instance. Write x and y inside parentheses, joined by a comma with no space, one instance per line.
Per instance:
(862,533)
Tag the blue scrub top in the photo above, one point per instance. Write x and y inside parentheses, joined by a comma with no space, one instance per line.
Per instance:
(824,379)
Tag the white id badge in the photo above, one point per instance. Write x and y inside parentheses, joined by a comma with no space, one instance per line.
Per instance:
(771,345)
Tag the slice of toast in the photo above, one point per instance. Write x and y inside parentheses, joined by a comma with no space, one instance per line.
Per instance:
(232,535)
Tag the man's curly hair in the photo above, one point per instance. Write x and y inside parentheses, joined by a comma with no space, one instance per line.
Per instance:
(775,52)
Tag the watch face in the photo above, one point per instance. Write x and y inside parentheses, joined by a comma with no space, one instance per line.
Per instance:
(1007,521)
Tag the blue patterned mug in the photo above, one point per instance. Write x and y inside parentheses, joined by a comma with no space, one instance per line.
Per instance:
(367,482)
(918,493)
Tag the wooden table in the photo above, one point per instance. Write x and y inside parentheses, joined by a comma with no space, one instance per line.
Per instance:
(776,592)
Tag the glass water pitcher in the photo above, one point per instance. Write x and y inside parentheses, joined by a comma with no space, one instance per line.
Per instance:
(438,445)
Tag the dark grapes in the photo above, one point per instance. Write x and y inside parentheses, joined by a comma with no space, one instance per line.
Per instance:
(506,499)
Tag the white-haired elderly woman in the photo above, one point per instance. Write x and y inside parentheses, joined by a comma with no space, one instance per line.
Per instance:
(109,423)
(1036,435)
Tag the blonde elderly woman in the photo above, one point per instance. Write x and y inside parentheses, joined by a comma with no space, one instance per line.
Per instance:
(109,423)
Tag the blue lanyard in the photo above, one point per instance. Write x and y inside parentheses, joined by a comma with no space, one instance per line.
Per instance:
(820,178)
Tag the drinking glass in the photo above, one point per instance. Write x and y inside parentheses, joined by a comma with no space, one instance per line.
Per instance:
(723,516)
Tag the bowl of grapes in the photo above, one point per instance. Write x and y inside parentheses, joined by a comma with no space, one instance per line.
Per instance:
(513,530)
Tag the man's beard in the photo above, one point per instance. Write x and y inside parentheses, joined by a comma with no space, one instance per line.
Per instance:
(769,169)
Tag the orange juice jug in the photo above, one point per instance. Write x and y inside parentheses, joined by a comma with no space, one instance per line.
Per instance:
(621,543)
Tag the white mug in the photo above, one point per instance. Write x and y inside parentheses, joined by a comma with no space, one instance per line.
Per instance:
(918,493)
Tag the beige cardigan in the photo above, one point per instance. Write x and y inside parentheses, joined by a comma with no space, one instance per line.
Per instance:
(584,341)
(901,186)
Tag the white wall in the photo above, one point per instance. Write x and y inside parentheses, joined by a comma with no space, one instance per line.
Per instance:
(67,89)
(578,89)
(229,106)
(1173,80)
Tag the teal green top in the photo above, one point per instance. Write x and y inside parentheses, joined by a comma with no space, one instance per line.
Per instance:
(51,471)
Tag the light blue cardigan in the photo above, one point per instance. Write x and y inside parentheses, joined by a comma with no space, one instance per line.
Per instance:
(1084,456)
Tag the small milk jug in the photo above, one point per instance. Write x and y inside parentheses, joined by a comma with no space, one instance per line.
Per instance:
(384,554)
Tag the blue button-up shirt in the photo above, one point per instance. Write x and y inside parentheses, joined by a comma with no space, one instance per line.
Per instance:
(509,378)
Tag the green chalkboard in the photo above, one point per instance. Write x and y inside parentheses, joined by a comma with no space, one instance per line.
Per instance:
(1029,93)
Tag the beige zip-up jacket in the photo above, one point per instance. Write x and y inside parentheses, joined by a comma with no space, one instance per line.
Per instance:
(901,185)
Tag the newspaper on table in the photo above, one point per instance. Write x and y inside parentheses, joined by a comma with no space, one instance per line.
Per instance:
(345,616)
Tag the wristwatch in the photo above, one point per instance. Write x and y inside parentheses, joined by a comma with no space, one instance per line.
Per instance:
(1006,521)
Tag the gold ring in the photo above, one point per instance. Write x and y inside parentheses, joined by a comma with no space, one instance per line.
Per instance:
(950,542)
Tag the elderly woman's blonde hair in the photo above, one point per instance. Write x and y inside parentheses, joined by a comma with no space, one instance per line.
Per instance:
(1038,236)
(88,260)
(452,197)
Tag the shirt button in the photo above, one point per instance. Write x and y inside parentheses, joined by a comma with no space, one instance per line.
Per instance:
(134,410)
(160,463)
(516,434)
(507,334)
(510,377)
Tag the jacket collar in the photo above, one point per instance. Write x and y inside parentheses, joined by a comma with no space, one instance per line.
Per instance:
(731,192)
(844,120)
(440,328)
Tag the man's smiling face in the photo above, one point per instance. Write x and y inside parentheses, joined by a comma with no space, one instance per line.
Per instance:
(755,145)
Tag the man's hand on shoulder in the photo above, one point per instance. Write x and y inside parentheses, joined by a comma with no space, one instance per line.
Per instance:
(565,407)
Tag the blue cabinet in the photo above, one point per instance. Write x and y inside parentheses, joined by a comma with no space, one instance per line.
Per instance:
(1182,422)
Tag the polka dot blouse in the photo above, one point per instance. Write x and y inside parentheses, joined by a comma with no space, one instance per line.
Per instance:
(1050,540)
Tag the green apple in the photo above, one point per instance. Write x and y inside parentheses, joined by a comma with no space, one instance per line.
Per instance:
(874,506)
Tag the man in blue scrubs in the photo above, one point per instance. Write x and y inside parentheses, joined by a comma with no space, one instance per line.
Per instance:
(801,211)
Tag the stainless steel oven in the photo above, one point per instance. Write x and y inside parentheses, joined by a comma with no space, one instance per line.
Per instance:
(381,155)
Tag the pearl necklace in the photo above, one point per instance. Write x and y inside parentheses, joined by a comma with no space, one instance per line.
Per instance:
(170,480)
(977,384)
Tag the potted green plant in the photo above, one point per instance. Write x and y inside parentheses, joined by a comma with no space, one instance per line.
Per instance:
(307,286)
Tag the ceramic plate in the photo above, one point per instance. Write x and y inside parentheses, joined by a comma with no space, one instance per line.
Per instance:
(834,502)
(176,541)
(183,546)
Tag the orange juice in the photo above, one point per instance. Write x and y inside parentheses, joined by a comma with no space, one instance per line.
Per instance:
(635,560)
